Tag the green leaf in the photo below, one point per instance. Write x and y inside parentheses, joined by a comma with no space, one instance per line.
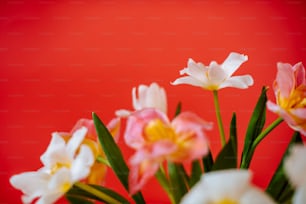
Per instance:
(178,109)
(196,172)
(114,156)
(77,195)
(255,127)
(208,162)
(279,187)
(227,158)
(177,181)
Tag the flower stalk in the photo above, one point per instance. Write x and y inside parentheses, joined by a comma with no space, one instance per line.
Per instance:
(219,119)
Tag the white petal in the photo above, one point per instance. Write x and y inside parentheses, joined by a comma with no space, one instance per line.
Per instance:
(255,196)
(81,165)
(196,70)
(233,62)
(75,141)
(299,196)
(56,147)
(273,107)
(49,198)
(188,80)
(216,74)
(122,113)
(199,193)
(223,184)
(32,184)
(241,82)
(295,165)
(155,97)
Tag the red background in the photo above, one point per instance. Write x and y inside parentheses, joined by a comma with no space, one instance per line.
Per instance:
(60,61)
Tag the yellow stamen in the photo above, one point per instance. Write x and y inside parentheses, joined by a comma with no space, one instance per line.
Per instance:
(156,130)
(226,201)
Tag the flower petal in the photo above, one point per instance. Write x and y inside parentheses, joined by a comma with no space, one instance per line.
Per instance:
(189,80)
(299,196)
(299,71)
(114,127)
(80,168)
(241,82)
(295,165)
(143,167)
(285,79)
(256,196)
(136,122)
(75,141)
(122,113)
(233,62)
(89,124)
(216,75)
(38,181)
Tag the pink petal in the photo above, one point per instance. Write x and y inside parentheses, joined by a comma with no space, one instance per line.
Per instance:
(114,127)
(285,79)
(241,82)
(233,62)
(299,71)
(299,113)
(273,107)
(142,169)
(89,124)
(136,123)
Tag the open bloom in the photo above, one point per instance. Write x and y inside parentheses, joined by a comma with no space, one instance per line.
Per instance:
(152,96)
(226,186)
(156,139)
(64,164)
(290,92)
(215,76)
(98,170)
(295,168)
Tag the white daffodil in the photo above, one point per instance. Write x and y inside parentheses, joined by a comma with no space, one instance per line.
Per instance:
(295,168)
(226,187)
(152,96)
(64,164)
(215,76)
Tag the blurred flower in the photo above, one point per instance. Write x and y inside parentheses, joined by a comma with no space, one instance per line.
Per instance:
(295,168)
(290,92)
(215,76)
(152,96)
(64,164)
(156,139)
(98,170)
(226,186)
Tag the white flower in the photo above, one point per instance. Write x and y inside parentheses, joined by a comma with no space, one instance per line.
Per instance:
(64,164)
(226,186)
(152,96)
(295,168)
(216,76)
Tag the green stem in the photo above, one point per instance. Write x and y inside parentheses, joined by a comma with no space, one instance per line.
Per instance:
(97,193)
(266,131)
(219,119)
(162,179)
(246,161)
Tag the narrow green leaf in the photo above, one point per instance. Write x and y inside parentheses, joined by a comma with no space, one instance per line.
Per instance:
(163,181)
(279,187)
(255,126)
(208,162)
(177,181)
(114,156)
(77,195)
(196,172)
(227,158)
(178,109)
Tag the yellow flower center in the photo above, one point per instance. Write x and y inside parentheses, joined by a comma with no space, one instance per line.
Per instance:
(58,166)
(65,187)
(295,100)
(226,201)
(156,130)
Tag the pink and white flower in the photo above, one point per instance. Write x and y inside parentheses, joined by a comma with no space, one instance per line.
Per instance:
(290,92)
(152,96)
(215,76)
(156,139)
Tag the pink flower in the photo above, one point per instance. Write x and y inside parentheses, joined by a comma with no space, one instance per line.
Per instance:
(290,91)
(156,139)
(215,76)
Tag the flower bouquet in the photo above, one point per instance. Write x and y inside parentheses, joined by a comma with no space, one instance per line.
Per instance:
(75,162)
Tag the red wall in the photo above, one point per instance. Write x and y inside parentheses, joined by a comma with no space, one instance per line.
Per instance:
(61,61)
